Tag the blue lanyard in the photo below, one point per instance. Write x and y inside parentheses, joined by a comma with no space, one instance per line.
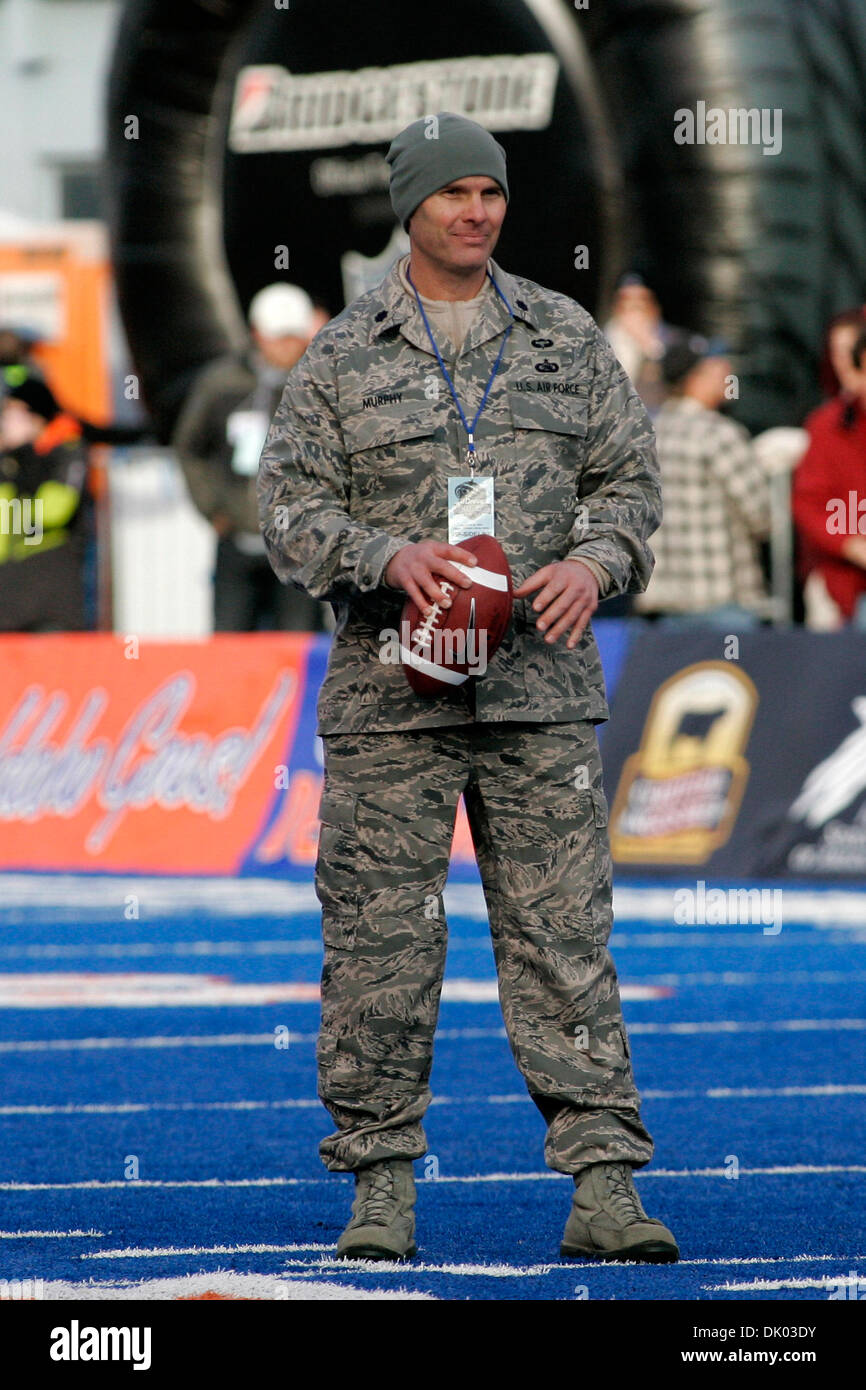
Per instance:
(470,429)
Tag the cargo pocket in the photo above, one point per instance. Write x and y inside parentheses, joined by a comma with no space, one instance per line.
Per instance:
(392,456)
(550,437)
(336,880)
(602,913)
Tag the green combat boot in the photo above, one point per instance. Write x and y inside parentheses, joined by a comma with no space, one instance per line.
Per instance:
(383,1217)
(607,1221)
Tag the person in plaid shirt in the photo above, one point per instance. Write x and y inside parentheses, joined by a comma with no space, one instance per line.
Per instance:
(716,499)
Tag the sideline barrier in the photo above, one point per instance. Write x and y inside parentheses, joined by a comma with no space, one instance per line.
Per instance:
(743,756)
(156,757)
(152,757)
(186,758)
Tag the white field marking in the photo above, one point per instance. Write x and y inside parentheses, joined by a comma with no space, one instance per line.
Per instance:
(64,950)
(72,894)
(773,1285)
(779,1171)
(820,1090)
(781,1025)
(740,1260)
(621,941)
(487,992)
(133,1252)
(262,897)
(48,1235)
(304,946)
(757,977)
(748,1092)
(106,1184)
(156,1040)
(160,1040)
(794,1025)
(99,990)
(499,1271)
(145,1107)
(808,907)
(312,946)
(227,1283)
(837,908)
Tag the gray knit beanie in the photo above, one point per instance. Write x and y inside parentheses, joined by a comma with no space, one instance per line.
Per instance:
(433,152)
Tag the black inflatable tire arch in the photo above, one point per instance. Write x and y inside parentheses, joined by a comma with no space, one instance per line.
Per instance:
(173,69)
(760,250)
(174,292)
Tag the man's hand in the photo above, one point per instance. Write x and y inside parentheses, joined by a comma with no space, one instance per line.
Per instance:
(568,598)
(413,569)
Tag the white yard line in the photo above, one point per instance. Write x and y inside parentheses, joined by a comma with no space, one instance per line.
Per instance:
(160,1252)
(497,1271)
(49,1235)
(74,950)
(780,1025)
(820,1091)
(171,1040)
(254,897)
(94,1184)
(225,1284)
(748,1260)
(774,1285)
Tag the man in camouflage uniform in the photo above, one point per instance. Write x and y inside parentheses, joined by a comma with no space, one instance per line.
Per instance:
(353,505)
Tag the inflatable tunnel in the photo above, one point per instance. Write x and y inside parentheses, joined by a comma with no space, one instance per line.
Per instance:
(245,143)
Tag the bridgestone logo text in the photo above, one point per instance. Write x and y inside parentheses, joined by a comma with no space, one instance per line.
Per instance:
(279,110)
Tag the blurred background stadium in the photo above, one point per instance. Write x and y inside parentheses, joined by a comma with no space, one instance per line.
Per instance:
(693,172)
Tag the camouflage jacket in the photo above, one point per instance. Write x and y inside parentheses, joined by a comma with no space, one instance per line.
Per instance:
(356,464)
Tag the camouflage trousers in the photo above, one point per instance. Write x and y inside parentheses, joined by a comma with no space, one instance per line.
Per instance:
(538,818)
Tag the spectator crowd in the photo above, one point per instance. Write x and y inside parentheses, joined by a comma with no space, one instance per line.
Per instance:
(718,483)
(723,490)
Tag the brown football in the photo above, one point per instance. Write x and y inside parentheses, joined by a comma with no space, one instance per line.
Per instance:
(450,645)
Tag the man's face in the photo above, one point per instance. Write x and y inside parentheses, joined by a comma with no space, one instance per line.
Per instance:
(637,301)
(458,227)
(842,339)
(708,380)
(18,425)
(283,351)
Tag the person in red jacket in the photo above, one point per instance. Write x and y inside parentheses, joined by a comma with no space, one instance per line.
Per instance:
(829,505)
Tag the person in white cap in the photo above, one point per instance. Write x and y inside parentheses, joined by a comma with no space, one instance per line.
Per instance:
(218,440)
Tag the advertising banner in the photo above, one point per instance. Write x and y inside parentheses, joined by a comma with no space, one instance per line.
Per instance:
(127,756)
(744,755)
(155,757)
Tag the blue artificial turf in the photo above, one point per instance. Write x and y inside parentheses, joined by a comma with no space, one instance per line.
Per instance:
(477,1239)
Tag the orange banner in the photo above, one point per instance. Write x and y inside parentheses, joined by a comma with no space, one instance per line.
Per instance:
(153,758)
